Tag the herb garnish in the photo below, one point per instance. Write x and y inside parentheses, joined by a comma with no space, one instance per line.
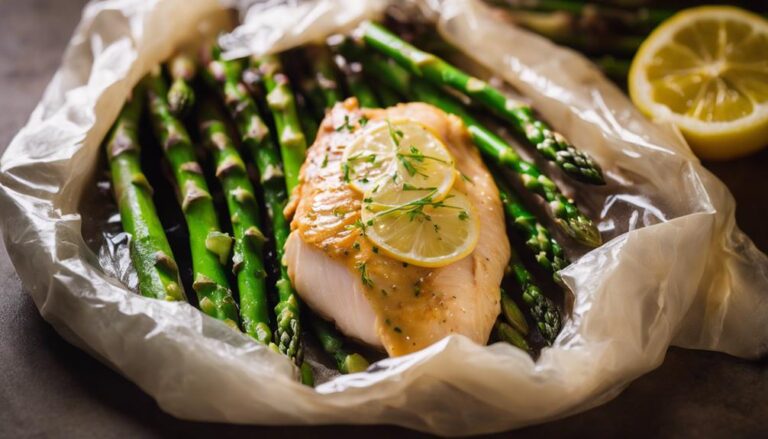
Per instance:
(346,126)
(363,269)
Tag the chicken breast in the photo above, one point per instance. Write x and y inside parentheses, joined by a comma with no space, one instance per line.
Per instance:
(400,307)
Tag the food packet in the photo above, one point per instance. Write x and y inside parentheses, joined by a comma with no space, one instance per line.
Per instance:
(675,269)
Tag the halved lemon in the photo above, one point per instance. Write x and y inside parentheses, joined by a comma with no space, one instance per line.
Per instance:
(425,232)
(706,70)
(399,161)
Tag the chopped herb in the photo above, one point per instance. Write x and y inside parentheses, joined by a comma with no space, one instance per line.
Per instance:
(356,245)
(368,200)
(339,213)
(325,161)
(358,225)
(346,125)
(345,171)
(363,269)
(409,167)
(363,121)
(465,178)
(395,135)
(463,215)
(371,158)
(398,330)
(388,322)
(375,249)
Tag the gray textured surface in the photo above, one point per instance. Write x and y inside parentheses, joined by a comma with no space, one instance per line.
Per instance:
(51,389)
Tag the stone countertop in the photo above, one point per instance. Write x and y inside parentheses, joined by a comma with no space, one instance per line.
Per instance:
(52,389)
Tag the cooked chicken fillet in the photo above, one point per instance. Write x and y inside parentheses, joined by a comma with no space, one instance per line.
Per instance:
(406,308)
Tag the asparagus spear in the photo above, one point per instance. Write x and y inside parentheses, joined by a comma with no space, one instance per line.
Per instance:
(243,208)
(355,82)
(637,17)
(332,344)
(307,121)
(566,29)
(614,68)
(553,146)
(329,338)
(282,104)
(181,96)
(325,74)
(210,247)
(566,214)
(224,76)
(387,97)
(150,252)
(314,97)
(508,334)
(512,314)
(542,309)
(545,248)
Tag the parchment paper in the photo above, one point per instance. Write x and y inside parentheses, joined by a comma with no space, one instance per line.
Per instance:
(676,269)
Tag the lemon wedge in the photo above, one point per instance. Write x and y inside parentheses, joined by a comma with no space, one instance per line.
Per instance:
(706,70)
(425,232)
(398,161)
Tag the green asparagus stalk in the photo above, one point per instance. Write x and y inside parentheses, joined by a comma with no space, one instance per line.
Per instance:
(566,29)
(181,96)
(387,97)
(332,343)
(546,250)
(615,68)
(209,245)
(314,97)
(150,252)
(638,17)
(355,82)
(566,214)
(244,211)
(543,311)
(282,104)
(329,338)
(325,74)
(512,314)
(508,334)
(553,146)
(225,77)
(307,121)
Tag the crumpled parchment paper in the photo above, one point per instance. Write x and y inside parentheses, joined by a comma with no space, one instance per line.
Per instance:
(676,269)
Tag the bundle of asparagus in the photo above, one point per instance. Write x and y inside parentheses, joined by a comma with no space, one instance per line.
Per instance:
(275,114)
(608,31)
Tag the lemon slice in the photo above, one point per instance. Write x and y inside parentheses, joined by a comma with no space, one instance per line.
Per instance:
(706,70)
(399,161)
(425,232)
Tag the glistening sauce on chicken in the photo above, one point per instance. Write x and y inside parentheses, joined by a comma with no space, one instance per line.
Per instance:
(413,306)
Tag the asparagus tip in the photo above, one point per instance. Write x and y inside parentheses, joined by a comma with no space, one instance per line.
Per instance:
(582,229)
(354,363)
(181,97)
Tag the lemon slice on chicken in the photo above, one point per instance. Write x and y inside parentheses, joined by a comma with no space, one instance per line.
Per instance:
(424,232)
(706,70)
(399,161)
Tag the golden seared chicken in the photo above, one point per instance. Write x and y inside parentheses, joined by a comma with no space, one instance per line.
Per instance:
(398,233)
